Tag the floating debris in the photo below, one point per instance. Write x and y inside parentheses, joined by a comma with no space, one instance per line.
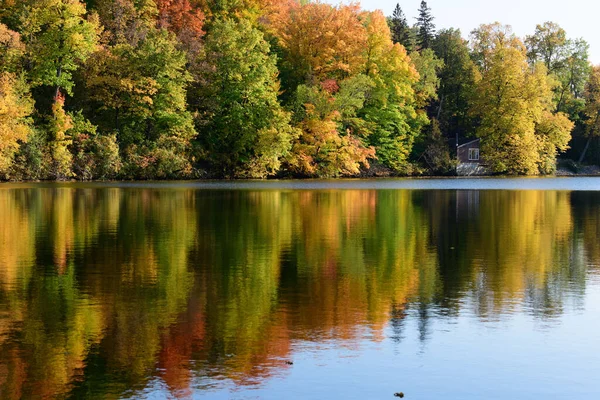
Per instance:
(399,394)
(289,362)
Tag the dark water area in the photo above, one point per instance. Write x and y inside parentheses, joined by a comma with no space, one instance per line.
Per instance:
(441,289)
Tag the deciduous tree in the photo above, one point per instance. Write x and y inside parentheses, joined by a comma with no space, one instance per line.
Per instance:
(12,49)
(320,41)
(244,130)
(567,60)
(143,90)
(16,106)
(457,79)
(513,103)
(59,38)
(186,21)
(330,144)
(390,112)
(592,109)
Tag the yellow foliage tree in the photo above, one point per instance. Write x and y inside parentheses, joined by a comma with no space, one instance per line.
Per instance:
(15,108)
(512,102)
(11,49)
(62,159)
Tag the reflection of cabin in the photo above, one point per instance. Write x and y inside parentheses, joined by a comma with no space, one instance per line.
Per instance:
(469,158)
(467,204)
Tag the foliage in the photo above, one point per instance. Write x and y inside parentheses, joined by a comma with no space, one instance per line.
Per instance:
(94,156)
(320,41)
(16,107)
(425,26)
(554,134)
(126,21)
(244,132)
(58,38)
(401,31)
(142,92)
(565,59)
(165,89)
(519,133)
(12,49)
(428,65)
(592,107)
(60,158)
(437,153)
(391,110)
(330,144)
(457,80)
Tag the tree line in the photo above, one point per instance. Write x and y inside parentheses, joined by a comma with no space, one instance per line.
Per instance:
(165,89)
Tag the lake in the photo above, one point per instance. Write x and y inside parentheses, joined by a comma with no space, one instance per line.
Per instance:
(350,289)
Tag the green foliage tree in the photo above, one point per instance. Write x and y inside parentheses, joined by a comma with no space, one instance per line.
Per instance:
(94,156)
(58,39)
(437,153)
(391,111)
(244,132)
(428,66)
(143,90)
(457,80)
(547,44)
(565,59)
(592,109)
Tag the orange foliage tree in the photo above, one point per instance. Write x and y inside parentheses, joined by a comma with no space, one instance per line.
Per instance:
(182,18)
(319,40)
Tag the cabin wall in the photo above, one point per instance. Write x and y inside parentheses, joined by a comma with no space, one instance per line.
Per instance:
(463,154)
(468,167)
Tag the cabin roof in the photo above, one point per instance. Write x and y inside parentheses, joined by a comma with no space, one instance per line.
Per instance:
(469,143)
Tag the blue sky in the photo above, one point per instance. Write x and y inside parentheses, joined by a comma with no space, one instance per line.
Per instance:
(580,18)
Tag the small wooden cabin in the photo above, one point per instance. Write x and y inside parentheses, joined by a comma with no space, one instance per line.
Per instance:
(470,161)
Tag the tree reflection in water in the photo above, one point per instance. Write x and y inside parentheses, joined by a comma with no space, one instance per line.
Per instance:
(105,291)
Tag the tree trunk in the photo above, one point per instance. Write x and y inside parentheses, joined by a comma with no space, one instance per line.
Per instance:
(58,74)
(117,120)
(585,149)
(439,112)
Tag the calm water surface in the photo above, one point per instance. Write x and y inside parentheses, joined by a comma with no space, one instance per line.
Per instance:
(441,289)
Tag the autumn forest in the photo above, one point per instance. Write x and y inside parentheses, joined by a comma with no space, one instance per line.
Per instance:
(186,89)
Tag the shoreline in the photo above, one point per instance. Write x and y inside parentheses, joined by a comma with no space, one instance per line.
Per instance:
(558,174)
(508,183)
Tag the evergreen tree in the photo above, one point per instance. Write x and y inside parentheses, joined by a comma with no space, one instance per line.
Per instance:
(400,30)
(425,25)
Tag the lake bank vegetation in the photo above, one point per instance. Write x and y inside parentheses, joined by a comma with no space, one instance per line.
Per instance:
(171,89)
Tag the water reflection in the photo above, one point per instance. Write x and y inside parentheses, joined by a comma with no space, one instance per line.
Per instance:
(113,292)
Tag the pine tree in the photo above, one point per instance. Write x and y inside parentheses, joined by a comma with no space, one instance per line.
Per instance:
(425,25)
(400,29)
